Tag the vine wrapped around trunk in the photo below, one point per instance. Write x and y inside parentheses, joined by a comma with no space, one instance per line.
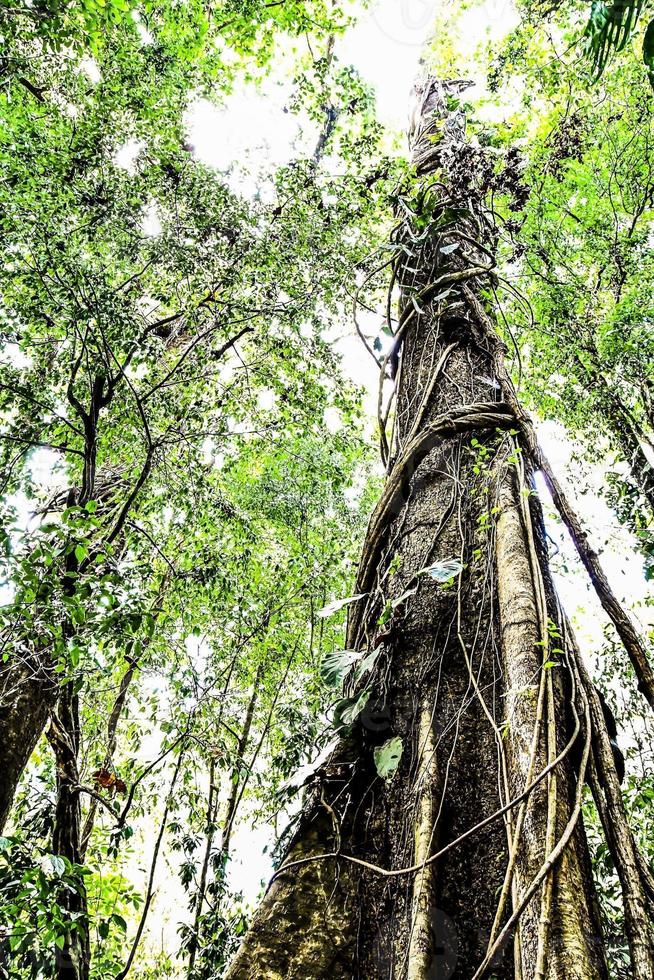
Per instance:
(469,860)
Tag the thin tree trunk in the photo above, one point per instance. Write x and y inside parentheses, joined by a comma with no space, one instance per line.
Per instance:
(149,895)
(112,731)
(73,961)
(621,620)
(228,822)
(114,717)
(211,815)
(234,796)
(401,877)
(605,786)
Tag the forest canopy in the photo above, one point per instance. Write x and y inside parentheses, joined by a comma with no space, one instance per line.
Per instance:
(327,490)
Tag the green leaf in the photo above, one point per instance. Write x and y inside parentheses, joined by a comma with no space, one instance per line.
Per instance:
(403,598)
(386,614)
(335,666)
(443,571)
(348,710)
(58,864)
(366,664)
(609,28)
(120,922)
(333,607)
(388,609)
(387,757)
(80,552)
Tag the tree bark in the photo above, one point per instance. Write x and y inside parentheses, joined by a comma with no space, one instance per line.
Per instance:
(400,877)
(28,693)
(74,960)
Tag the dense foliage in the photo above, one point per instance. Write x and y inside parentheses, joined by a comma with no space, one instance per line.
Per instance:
(185,467)
(174,510)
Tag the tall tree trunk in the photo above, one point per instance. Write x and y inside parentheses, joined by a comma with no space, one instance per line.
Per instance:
(150,891)
(234,795)
(73,961)
(28,693)
(401,877)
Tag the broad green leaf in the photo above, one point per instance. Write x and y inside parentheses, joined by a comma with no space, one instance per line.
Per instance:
(335,666)
(648,51)
(334,607)
(443,571)
(609,28)
(366,664)
(387,757)
(58,864)
(348,710)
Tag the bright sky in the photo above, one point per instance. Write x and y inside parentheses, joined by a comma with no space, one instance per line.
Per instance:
(385,46)
(254,124)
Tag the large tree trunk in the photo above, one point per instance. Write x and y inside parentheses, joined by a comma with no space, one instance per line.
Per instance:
(28,692)
(402,878)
